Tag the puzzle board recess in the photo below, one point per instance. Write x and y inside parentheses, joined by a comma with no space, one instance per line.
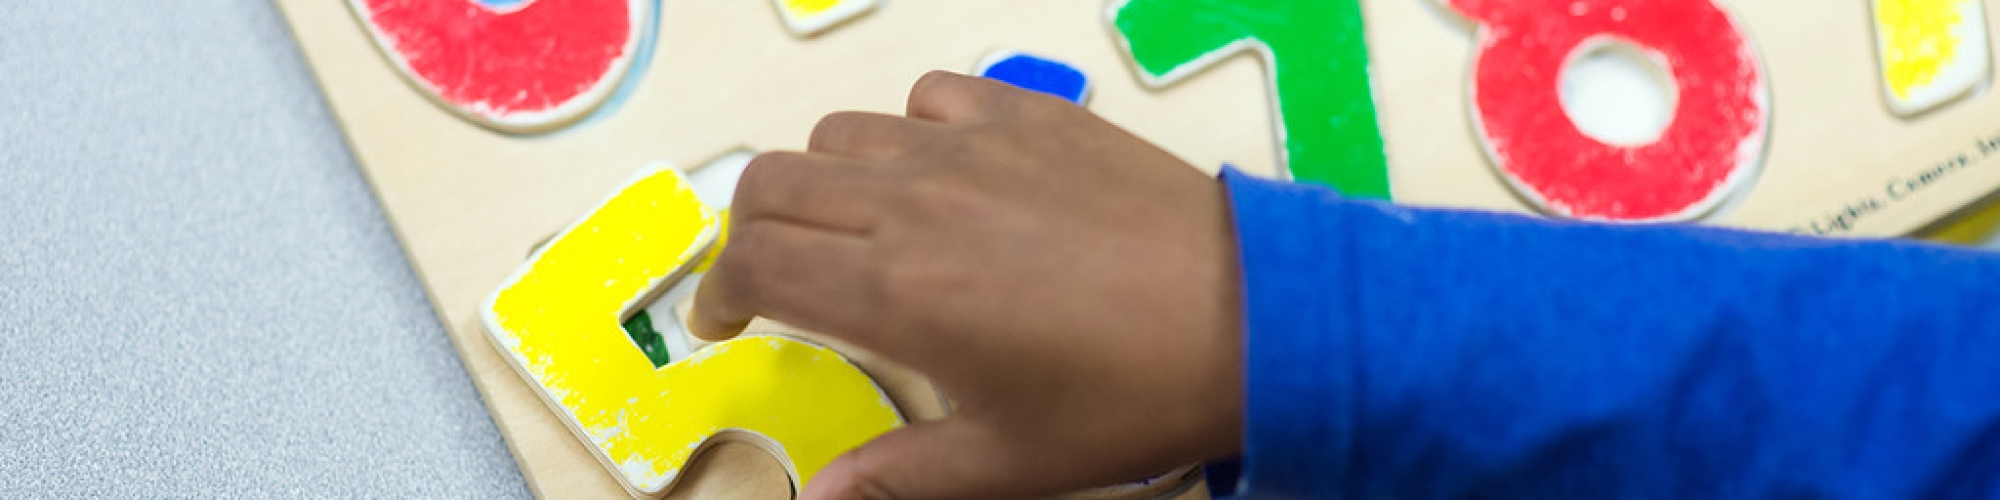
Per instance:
(469,203)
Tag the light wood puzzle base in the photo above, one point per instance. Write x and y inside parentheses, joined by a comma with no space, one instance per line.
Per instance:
(468,203)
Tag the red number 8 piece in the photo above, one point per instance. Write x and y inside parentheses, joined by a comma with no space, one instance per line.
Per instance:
(1930,51)
(1714,140)
(492,65)
(1716,120)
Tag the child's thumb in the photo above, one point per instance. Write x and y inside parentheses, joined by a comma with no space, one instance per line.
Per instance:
(945,458)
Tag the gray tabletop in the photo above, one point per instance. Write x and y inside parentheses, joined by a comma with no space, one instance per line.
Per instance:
(198,293)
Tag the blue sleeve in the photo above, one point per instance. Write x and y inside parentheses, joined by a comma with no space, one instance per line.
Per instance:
(1395,352)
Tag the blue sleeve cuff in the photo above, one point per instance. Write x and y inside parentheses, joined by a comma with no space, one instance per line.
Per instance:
(1299,351)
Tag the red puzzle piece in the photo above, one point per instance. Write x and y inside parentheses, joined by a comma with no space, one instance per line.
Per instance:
(525,68)
(1710,149)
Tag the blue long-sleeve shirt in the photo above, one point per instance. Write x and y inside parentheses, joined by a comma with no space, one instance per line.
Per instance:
(1394,352)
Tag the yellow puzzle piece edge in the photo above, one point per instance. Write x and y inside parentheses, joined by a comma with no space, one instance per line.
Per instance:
(557,321)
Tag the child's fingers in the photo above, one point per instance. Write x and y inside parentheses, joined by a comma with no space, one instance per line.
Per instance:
(800,275)
(950,458)
(868,136)
(804,188)
(943,96)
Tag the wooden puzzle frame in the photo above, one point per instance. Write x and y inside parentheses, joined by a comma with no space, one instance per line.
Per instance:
(467,203)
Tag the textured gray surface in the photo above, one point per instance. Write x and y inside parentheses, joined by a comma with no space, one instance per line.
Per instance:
(198,294)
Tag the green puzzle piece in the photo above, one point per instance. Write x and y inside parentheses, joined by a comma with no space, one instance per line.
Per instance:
(649,339)
(1318,55)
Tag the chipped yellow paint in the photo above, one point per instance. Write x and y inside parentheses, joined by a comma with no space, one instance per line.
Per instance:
(558,321)
(1920,40)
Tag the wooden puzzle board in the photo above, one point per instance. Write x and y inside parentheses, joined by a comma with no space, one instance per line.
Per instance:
(468,203)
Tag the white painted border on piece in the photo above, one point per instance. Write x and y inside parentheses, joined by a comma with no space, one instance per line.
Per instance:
(730,165)
(813,24)
(505,342)
(1212,58)
(1751,153)
(1971,71)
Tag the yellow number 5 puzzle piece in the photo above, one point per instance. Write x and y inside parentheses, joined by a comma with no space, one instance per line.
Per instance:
(557,320)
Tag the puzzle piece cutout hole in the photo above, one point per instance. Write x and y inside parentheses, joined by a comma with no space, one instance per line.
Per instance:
(660,348)
(1618,93)
(659,327)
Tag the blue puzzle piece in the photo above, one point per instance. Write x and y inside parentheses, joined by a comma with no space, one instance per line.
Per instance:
(1038,74)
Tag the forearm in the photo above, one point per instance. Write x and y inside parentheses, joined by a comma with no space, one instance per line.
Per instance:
(1414,353)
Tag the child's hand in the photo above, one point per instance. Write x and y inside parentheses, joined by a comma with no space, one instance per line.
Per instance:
(1072,289)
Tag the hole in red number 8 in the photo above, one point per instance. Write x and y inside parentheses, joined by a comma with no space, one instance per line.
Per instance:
(1618,93)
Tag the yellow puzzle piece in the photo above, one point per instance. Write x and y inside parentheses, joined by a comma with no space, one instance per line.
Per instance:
(557,320)
(807,17)
(1931,51)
